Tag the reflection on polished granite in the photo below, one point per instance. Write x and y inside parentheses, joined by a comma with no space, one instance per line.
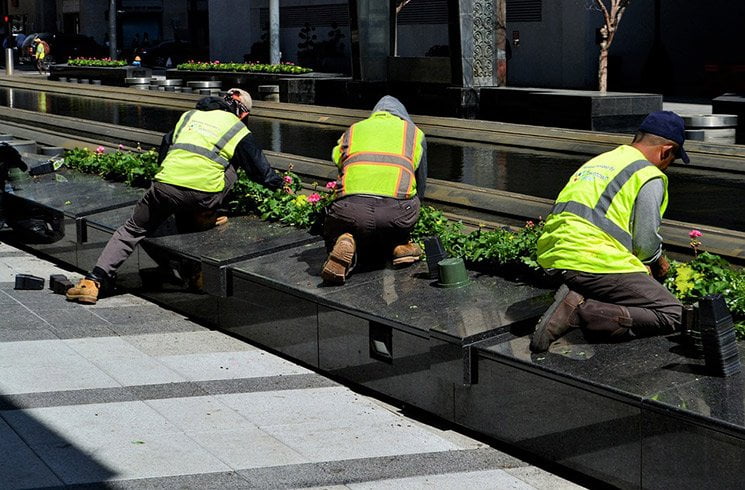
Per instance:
(73,193)
(110,220)
(691,432)
(655,370)
(240,237)
(406,298)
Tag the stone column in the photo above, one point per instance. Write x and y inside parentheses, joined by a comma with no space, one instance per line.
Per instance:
(274,55)
(477,46)
(371,43)
(478,34)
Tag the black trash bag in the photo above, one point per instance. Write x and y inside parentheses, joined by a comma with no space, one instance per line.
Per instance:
(9,158)
(31,224)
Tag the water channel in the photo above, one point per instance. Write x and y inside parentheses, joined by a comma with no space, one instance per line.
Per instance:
(696,196)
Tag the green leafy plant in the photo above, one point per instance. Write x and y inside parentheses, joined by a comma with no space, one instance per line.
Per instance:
(136,168)
(706,274)
(103,62)
(243,67)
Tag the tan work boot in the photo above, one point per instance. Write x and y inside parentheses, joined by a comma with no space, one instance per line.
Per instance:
(560,317)
(406,254)
(85,291)
(340,260)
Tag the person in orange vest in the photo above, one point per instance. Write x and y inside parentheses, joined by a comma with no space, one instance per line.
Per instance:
(382,164)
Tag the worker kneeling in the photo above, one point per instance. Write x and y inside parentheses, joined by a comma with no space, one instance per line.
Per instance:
(602,238)
(382,164)
(199,161)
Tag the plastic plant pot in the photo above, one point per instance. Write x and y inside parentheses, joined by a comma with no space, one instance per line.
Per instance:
(453,273)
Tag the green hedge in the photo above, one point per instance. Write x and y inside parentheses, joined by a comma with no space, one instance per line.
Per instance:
(105,62)
(243,67)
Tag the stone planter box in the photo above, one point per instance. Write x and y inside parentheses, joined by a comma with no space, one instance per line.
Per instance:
(574,109)
(108,76)
(300,88)
(732,104)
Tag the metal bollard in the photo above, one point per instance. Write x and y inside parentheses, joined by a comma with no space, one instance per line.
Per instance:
(8,61)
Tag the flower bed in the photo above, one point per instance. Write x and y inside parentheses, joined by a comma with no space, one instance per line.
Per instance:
(492,250)
(104,62)
(282,68)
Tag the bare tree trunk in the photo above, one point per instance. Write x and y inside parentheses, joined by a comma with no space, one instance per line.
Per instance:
(611,19)
(603,68)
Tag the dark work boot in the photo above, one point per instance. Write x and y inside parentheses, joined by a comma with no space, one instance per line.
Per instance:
(557,320)
(606,318)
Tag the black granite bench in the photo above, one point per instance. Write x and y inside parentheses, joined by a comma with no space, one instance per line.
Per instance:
(638,414)
(64,198)
(391,330)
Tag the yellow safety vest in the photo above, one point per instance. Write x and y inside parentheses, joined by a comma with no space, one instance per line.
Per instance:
(589,228)
(203,144)
(379,156)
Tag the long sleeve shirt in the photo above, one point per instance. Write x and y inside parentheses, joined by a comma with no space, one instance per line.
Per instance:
(646,221)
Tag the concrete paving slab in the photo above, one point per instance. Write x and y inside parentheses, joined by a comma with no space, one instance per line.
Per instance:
(91,425)
(322,443)
(197,342)
(206,412)
(247,448)
(156,455)
(333,407)
(226,365)
(451,481)
(19,466)
(124,362)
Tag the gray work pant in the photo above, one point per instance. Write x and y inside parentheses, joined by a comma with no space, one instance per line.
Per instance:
(191,207)
(377,223)
(653,309)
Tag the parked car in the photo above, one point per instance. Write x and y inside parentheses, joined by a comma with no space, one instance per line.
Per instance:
(62,47)
(177,51)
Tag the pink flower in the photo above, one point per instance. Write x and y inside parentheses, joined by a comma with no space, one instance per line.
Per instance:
(529,224)
(331,185)
(100,150)
(313,198)
(694,234)
(121,147)
(287,179)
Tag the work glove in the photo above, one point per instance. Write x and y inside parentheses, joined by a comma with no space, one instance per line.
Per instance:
(659,268)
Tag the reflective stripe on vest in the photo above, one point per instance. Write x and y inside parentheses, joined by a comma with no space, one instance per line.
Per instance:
(363,165)
(203,144)
(598,215)
(214,153)
(590,227)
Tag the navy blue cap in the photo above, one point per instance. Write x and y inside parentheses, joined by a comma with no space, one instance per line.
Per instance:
(668,125)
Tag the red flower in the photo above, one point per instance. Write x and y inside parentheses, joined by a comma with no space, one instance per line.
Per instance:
(313,198)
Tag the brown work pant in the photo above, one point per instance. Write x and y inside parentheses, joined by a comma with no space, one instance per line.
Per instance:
(653,309)
(194,210)
(378,224)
